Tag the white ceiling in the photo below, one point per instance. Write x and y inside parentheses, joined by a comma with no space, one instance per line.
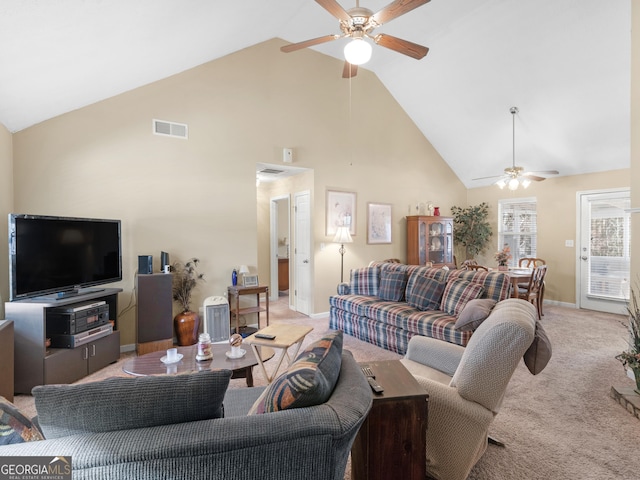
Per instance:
(564,63)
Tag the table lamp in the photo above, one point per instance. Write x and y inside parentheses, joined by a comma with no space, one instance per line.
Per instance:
(243,271)
(342,236)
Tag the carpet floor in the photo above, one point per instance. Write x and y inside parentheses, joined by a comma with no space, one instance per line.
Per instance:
(560,424)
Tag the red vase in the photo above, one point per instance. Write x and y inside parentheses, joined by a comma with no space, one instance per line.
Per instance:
(186,326)
(436,212)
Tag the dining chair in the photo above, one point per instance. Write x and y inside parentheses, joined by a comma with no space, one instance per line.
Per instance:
(533,293)
(531,262)
(465,265)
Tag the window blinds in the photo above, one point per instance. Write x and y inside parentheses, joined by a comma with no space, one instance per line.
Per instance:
(517,228)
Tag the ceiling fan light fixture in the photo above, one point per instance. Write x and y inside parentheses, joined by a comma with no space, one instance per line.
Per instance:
(357,51)
(513,184)
(525,182)
(501,183)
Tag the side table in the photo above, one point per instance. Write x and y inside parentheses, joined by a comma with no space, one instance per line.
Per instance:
(6,359)
(235,291)
(392,440)
(285,337)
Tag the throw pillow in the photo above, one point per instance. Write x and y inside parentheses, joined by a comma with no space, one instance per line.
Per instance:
(122,403)
(392,285)
(474,313)
(364,281)
(425,293)
(308,381)
(539,352)
(14,426)
(456,295)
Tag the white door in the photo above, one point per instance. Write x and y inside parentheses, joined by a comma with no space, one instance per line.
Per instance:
(603,251)
(302,252)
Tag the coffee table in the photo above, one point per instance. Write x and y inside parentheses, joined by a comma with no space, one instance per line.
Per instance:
(150,364)
(391,443)
(285,336)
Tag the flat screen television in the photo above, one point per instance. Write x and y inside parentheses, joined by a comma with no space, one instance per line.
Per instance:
(60,255)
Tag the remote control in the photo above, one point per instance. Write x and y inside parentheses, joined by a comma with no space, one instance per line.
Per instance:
(366,369)
(375,386)
(265,336)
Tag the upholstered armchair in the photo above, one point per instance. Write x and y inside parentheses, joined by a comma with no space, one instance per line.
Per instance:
(466,385)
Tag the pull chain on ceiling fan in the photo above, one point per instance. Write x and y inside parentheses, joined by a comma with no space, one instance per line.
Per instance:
(358,24)
(514,176)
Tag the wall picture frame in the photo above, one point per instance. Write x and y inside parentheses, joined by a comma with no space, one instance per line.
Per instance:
(340,211)
(250,280)
(378,223)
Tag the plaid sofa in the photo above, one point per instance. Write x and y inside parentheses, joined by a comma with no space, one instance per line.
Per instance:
(359,310)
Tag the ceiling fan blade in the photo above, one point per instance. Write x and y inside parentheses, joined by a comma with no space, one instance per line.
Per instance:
(335,9)
(535,178)
(401,46)
(544,172)
(486,178)
(349,70)
(395,9)
(292,47)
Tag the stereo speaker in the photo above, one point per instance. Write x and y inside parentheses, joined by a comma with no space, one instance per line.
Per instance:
(217,322)
(145,264)
(164,261)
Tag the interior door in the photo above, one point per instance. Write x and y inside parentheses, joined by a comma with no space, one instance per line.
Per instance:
(302,252)
(604,251)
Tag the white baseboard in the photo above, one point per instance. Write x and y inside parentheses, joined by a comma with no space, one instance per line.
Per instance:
(128,348)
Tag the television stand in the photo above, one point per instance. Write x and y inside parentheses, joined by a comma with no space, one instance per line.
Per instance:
(35,364)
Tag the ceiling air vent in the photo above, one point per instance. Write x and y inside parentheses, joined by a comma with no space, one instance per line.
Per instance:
(271,171)
(170,129)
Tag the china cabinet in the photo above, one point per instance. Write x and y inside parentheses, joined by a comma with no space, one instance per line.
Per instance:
(430,239)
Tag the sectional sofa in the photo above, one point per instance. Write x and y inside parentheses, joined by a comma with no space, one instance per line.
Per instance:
(387,303)
(171,426)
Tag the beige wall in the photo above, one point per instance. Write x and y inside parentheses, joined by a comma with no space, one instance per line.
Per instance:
(6,206)
(198,197)
(556,222)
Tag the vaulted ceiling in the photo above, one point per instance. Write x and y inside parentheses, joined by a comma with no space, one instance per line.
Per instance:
(564,63)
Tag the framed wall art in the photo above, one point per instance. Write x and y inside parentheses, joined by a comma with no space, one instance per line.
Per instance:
(341,210)
(378,223)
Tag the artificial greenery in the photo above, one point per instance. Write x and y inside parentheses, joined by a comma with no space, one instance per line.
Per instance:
(471,228)
(185,280)
(631,357)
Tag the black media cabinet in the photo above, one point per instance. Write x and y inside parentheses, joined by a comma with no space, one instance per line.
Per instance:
(35,364)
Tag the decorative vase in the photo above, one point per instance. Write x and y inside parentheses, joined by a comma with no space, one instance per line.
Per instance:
(186,326)
(436,211)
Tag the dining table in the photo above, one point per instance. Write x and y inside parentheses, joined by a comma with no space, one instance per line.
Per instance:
(517,276)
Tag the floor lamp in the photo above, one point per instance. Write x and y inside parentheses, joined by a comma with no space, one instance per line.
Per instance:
(342,236)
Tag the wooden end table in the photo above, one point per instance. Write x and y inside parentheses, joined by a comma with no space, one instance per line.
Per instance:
(285,337)
(235,291)
(391,443)
(150,364)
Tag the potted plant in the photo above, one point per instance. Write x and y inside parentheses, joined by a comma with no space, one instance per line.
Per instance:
(185,279)
(503,257)
(471,228)
(631,357)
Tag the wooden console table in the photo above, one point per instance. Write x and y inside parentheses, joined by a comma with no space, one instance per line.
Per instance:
(392,440)
(234,292)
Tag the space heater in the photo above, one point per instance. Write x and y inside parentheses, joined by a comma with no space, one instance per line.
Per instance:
(217,321)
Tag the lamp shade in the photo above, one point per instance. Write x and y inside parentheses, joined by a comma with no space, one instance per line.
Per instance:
(244,269)
(342,236)
(357,51)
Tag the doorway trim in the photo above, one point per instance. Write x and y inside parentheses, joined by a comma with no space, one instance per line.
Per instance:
(273,242)
(607,306)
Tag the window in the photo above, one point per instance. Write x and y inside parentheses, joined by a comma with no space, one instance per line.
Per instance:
(517,228)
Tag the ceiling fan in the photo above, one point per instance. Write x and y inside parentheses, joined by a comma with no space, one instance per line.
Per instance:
(515,176)
(358,23)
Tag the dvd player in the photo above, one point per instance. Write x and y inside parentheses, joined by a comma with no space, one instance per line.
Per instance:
(73,341)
